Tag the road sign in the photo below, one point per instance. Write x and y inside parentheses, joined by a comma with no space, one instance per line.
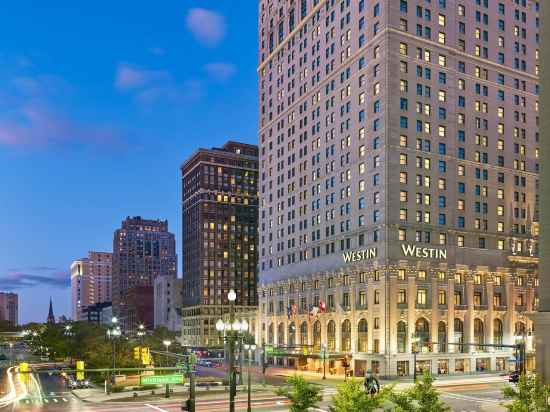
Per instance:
(268,349)
(161,380)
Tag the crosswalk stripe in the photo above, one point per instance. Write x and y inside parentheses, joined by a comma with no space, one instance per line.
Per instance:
(65,400)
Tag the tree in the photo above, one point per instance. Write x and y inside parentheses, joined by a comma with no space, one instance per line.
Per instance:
(351,396)
(423,397)
(302,394)
(530,395)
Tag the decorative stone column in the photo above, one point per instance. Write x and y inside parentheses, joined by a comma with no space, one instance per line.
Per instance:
(435,314)
(370,313)
(451,316)
(469,318)
(542,318)
(411,308)
(509,325)
(393,315)
(489,338)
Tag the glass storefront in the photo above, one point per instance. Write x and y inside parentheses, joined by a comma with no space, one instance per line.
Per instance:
(500,364)
(443,366)
(402,368)
(459,366)
(483,364)
(423,366)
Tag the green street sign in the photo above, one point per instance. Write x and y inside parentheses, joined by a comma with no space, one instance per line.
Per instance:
(268,349)
(161,379)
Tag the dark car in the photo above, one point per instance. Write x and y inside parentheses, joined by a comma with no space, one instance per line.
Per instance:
(514,377)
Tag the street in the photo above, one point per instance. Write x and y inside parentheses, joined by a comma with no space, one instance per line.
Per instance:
(48,393)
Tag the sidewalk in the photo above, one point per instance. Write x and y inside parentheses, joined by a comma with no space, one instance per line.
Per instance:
(400,383)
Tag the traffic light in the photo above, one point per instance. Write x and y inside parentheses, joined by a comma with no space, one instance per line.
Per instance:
(414,349)
(24,372)
(430,346)
(79,370)
(137,353)
(145,356)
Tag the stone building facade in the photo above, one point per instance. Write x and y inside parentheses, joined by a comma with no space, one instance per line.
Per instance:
(399,150)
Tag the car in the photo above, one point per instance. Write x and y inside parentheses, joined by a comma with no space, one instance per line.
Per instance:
(514,377)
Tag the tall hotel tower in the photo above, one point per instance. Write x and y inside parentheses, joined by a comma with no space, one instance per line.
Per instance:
(399,167)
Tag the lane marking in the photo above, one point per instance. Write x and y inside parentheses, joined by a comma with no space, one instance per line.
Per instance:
(156,408)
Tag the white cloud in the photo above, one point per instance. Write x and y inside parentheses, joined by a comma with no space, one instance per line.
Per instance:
(206,26)
(220,71)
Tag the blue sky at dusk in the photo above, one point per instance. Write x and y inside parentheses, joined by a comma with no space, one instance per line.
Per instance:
(100,102)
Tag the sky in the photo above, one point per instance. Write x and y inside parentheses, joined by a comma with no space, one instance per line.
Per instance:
(100,103)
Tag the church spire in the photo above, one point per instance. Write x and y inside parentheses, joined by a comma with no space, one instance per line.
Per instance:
(51,317)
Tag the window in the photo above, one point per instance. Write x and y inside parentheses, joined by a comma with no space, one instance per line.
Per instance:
(442,297)
(421,296)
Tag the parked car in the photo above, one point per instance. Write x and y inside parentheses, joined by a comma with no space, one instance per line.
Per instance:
(514,377)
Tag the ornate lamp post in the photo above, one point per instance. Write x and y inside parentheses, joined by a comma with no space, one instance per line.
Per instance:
(415,339)
(232,332)
(324,354)
(250,349)
(113,333)
(141,333)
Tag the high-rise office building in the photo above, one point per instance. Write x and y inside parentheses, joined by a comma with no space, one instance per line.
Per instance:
(90,282)
(399,168)
(142,250)
(9,307)
(168,302)
(220,227)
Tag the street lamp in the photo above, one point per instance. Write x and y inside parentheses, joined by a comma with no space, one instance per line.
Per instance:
(69,333)
(520,352)
(415,339)
(232,331)
(324,347)
(11,353)
(251,349)
(113,334)
(141,332)
(167,344)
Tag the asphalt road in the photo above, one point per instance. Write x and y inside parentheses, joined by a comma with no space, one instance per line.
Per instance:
(475,398)
(53,396)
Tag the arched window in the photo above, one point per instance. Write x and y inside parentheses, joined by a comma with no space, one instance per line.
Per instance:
(281,334)
(422,331)
(442,337)
(292,334)
(498,332)
(459,334)
(401,337)
(331,336)
(479,334)
(270,334)
(362,336)
(346,336)
(303,334)
(317,336)
(520,329)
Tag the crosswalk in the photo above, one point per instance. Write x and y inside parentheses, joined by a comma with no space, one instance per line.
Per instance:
(48,400)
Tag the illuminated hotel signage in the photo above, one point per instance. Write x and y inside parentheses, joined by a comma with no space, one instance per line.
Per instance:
(360,255)
(423,252)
